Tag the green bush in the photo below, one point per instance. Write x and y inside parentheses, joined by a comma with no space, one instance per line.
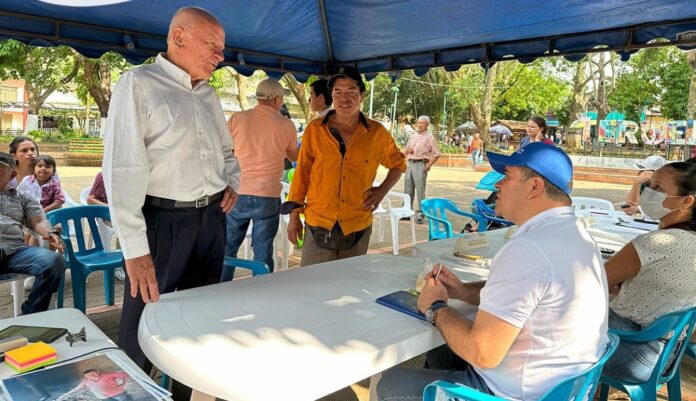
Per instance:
(451,149)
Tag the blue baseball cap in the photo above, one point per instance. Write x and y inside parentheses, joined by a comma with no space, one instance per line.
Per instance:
(547,160)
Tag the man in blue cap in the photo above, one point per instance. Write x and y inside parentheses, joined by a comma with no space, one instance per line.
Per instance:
(542,314)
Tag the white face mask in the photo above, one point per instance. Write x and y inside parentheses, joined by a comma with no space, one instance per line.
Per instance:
(651,203)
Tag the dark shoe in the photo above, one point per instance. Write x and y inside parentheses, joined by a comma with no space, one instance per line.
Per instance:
(405,219)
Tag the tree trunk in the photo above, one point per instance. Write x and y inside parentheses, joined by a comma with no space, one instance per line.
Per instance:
(298,90)
(602,107)
(579,99)
(487,106)
(691,107)
(97,76)
(240,79)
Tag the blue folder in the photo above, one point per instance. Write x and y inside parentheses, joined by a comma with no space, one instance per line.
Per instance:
(402,301)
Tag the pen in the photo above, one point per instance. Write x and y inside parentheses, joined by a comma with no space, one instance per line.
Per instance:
(439,270)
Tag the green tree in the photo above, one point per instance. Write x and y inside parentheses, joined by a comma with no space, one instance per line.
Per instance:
(43,69)
(525,90)
(638,83)
(94,78)
(675,81)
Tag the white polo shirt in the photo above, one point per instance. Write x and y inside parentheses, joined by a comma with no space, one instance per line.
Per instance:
(549,281)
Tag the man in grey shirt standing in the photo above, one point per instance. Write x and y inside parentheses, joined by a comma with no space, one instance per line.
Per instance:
(169,170)
(18,210)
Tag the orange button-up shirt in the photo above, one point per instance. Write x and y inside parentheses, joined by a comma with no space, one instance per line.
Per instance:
(332,186)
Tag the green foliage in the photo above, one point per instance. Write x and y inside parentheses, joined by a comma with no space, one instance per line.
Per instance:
(44,69)
(676,77)
(525,90)
(451,149)
(655,77)
(61,136)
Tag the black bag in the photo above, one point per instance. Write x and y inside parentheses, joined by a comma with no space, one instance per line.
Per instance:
(334,239)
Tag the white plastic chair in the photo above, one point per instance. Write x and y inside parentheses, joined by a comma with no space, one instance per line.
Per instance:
(395,213)
(69,202)
(84,194)
(106,233)
(16,281)
(582,203)
(286,247)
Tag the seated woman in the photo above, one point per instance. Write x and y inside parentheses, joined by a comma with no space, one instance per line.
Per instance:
(655,273)
(645,168)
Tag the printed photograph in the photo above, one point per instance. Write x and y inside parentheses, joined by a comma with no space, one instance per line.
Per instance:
(95,379)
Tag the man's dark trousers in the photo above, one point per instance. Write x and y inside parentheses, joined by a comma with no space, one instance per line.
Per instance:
(187,246)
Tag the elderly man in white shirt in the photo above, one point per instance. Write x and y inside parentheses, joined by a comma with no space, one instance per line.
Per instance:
(542,314)
(169,169)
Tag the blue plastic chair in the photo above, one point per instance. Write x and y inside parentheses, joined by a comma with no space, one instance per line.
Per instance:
(83,261)
(439,227)
(257,268)
(691,350)
(674,323)
(488,181)
(579,387)
(480,208)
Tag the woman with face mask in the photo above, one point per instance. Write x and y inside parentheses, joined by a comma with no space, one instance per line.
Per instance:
(656,272)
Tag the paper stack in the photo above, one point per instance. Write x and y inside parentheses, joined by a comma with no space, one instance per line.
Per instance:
(30,357)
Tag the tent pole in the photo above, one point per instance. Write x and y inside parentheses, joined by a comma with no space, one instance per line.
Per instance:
(372,95)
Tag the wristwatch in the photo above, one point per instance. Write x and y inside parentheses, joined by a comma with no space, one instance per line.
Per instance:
(431,312)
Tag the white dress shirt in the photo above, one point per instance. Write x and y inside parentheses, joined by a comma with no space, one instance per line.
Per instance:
(164,138)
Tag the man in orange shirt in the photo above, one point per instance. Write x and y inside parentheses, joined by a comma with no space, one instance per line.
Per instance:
(333,180)
(263,138)
(476,148)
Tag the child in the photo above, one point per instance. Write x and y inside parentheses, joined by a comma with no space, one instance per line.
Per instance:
(45,177)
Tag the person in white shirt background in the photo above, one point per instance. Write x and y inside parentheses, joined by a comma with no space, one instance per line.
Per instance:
(170,172)
(320,99)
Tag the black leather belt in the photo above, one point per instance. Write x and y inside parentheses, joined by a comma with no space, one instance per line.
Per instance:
(417,160)
(165,203)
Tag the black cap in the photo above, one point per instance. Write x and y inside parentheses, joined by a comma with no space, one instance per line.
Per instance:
(350,73)
(6,159)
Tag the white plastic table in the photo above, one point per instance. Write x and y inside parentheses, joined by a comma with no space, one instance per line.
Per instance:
(68,318)
(73,320)
(293,335)
(603,230)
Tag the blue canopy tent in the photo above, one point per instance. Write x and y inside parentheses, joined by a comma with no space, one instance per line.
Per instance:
(306,37)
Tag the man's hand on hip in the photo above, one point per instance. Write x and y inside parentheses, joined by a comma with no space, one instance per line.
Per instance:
(229,198)
(373,197)
(141,273)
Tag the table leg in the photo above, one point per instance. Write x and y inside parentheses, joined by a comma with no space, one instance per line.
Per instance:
(374,379)
(201,396)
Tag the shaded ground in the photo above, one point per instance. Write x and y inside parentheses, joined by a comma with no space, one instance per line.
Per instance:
(456,184)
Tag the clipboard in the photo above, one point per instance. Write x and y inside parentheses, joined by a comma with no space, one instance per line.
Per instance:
(402,301)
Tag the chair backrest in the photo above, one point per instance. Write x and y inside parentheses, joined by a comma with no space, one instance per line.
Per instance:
(84,194)
(284,191)
(257,268)
(479,206)
(437,208)
(581,203)
(583,385)
(487,183)
(578,387)
(678,324)
(74,216)
(69,202)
